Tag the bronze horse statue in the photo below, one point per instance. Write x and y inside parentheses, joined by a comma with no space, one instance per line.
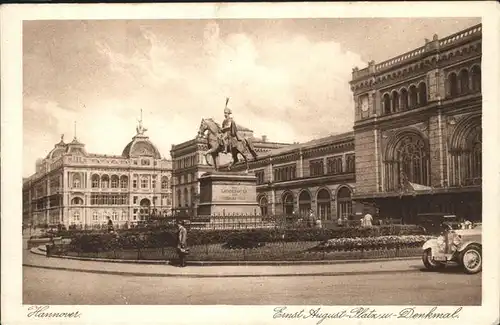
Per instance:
(215,145)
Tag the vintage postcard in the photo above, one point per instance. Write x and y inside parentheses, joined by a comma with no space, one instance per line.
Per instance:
(250,163)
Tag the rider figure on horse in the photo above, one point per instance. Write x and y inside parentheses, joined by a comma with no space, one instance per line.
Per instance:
(229,131)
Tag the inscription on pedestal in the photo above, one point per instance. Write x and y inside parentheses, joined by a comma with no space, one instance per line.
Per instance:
(233,193)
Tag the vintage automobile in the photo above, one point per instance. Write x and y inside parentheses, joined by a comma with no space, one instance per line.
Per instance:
(459,242)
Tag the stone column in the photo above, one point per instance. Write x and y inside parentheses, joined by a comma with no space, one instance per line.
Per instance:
(301,164)
(273,202)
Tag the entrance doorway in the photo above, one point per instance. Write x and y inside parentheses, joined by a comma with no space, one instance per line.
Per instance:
(145,209)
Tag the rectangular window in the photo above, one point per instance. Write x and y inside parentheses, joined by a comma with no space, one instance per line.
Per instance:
(260,177)
(135,199)
(134,183)
(334,165)
(285,173)
(350,162)
(316,167)
(144,183)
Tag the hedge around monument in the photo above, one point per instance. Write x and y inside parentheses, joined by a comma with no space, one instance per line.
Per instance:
(92,242)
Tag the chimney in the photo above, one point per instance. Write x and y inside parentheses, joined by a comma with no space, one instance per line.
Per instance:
(264,138)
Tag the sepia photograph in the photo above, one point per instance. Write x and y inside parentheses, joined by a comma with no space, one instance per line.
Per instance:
(280,162)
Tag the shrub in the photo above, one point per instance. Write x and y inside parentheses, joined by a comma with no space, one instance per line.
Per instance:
(381,242)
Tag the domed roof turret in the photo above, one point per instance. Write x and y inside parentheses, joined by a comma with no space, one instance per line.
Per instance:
(76,147)
(140,146)
(58,150)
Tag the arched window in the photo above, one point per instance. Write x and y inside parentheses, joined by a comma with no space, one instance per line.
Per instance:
(323,200)
(386,104)
(124,181)
(395,101)
(104,181)
(77,201)
(304,203)
(422,94)
(114,181)
(463,79)
(475,168)
(145,207)
(288,204)
(263,205)
(344,203)
(164,183)
(412,97)
(407,160)
(476,78)
(404,99)
(452,84)
(466,154)
(95,181)
(77,181)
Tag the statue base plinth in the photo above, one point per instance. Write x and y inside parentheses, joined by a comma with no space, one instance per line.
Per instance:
(228,193)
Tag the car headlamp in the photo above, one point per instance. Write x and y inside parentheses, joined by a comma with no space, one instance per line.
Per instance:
(457,239)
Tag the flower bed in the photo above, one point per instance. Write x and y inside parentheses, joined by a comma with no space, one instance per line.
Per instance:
(372,243)
(132,239)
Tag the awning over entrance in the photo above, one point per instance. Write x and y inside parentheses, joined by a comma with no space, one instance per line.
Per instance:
(418,187)
(417,190)
(463,202)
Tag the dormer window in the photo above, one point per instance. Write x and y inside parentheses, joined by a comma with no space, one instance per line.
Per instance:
(145,162)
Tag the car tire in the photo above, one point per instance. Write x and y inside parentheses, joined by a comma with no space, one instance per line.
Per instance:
(471,259)
(429,263)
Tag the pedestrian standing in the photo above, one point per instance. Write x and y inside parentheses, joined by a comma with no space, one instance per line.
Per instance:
(110,225)
(311,220)
(368,220)
(182,249)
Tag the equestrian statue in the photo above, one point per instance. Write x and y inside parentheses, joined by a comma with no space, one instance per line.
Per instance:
(225,140)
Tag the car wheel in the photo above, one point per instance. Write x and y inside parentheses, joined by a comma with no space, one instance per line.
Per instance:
(472,259)
(429,263)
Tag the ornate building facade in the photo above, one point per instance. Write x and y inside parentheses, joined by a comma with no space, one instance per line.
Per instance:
(189,164)
(73,187)
(318,175)
(417,130)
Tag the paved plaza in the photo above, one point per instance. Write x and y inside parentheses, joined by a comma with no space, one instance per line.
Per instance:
(64,281)
(44,286)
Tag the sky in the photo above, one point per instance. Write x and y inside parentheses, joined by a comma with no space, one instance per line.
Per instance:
(287,79)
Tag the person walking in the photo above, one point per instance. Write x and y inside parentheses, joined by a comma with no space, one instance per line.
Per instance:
(182,249)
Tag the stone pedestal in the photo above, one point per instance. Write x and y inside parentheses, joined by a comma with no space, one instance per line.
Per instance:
(228,193)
